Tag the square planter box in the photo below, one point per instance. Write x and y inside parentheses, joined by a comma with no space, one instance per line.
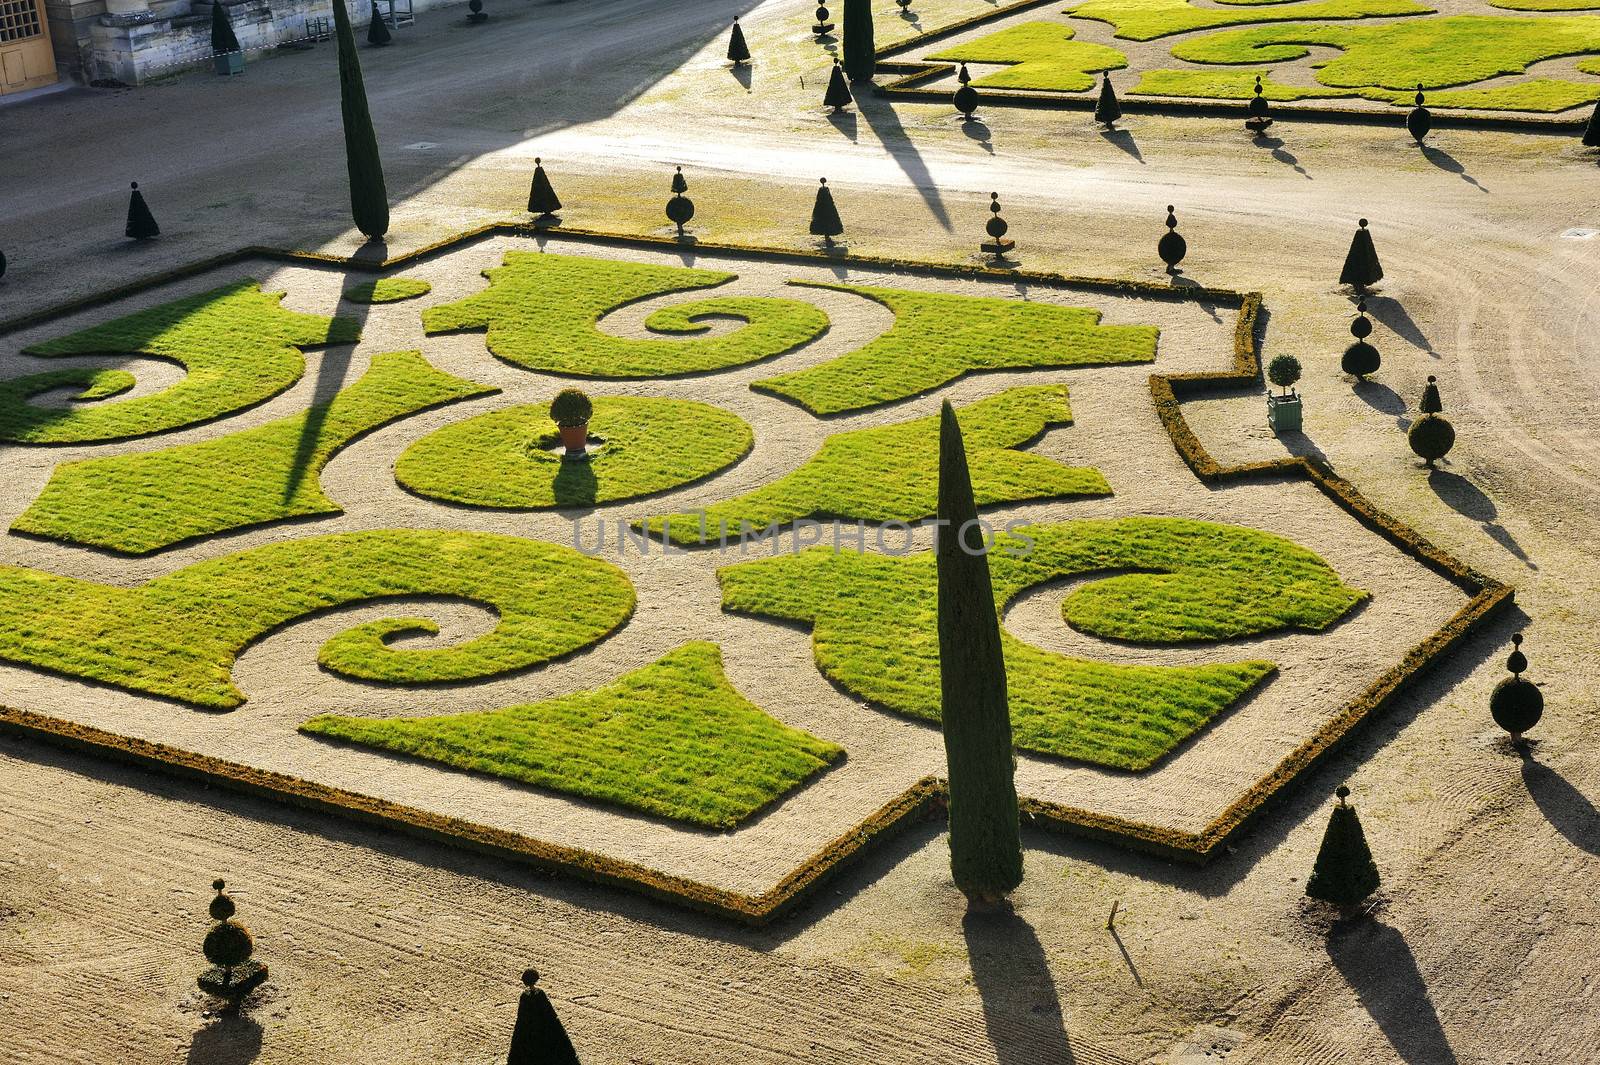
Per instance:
(229,63)
(1283,413)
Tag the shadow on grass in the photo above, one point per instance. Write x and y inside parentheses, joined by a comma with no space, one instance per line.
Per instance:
(1123,139)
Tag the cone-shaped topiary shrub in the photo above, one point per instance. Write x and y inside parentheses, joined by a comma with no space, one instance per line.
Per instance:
(738,51)
(1360,358)
(825,221)
(1516,704)
(141,223)
(542,198)
(223,39)
(538,1037)
(680,208)
(378,33)
(1106,109)
(860,61)
(1345,873)
(1420,120)
(966,97)
(1430,436)
(1172,247)
(1591,132)
(1361,266)
(838,94)
(369,199)
(985,840)
(1259,112)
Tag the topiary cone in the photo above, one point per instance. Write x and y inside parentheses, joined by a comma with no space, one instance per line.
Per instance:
(1345,873)
(1516,704)
(1360,358)
(1361,266)
(825,221)
(985,840)
(542,198)
(223,39)
(966,97)
(1172,247)
(838,94)
(369,199)
(141,223)
(538,1037)
(738,51)
(378,33)
(1106,109)
(1420,120)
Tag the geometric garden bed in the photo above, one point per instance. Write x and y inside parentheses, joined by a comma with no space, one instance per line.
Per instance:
(365,582)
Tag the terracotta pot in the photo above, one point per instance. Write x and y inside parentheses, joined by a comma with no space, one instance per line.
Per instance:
(574,437)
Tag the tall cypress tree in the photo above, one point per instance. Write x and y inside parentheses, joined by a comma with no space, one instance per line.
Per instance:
(859,52)
(369,200)
(985,841)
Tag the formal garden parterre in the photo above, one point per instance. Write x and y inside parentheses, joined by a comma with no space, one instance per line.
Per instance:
(381,580)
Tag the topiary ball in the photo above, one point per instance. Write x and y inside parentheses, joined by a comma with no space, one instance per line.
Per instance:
(1284,371)
(228,944)
(966,100)
(1431,437)
(680,209)
(1516,705)
(1360,359)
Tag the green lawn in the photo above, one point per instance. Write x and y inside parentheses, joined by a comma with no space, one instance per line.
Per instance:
(387,290)
(499,459)
(873,621)
(541,312)
(237,345)
(1145,20)
(149,500)
(891,473)
(1546,5)
(1043,54)
(937,338)
(177,636)
(673,739)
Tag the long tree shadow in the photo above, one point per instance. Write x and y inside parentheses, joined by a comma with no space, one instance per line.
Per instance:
(844,122)
(880,117)
(1378,965)
(1382,398)
(1392,315)
(230,1039)
(1468,500)
(1123,139)
(332,370)
(1567,809)
(1021,1006)
(1284,156)
(1449,164)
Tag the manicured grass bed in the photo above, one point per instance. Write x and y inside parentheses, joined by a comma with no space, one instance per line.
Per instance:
(237,345)
(1044,54)
(1397,55)
(1540,95)
(873,621)
(500,459)
(673,739)
(1145,20)
(150,500)
(541,312)
(891,473)
(937,338)
(177,636)
(387,290)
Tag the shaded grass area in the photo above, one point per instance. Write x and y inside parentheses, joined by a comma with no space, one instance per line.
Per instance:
(237,345)
(937,338)
(501,458)
(387,290)
(891,472)
(149,500)
(674,739)
(177,636)
(1041,55)
(542,312)
(1145,20)
(1398,55)
(873,621)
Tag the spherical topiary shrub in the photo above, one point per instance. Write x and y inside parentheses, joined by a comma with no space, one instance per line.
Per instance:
(1284,371)
(1430,436)
(1517,704)
(1360,358)
(571,407)
(228,944)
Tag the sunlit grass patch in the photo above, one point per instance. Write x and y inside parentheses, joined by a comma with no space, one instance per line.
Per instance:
(387,290)
(1145,20)
(1040,55)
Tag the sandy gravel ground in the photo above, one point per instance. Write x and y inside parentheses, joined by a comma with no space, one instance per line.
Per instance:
(382,948)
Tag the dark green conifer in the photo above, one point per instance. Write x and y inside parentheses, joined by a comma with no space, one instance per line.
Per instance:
(738,51)
(966,97)
(223,39)
(1106,109)
(1345,873)
(860,59)
(998,243)
(838,94)
(369,200)
(1420,120)
(542,199)
(1360,358)
(1591,132)
(141,223)
(1361,266)
(825,221)
(985,840)
(1172,247)
(378,33)
(1516,704)
(538,1037)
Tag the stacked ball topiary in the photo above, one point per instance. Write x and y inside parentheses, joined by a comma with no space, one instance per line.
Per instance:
(1430,436)
(228,947)
(1360,358)
(1517,704)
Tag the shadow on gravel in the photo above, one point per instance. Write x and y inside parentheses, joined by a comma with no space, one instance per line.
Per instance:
(1394,317)
(1021,1006)
(1378,965)
(1284,156)
(1124,140)
(230,1039)
(1447,162)
(1468,500)
(1567,809)
(976,129)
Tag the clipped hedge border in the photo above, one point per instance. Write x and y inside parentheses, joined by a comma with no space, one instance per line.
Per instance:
(926,797)
(910,73)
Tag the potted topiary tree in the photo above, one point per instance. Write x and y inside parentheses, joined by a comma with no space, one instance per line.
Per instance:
(227,56)
(570,410)
(1283,411)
